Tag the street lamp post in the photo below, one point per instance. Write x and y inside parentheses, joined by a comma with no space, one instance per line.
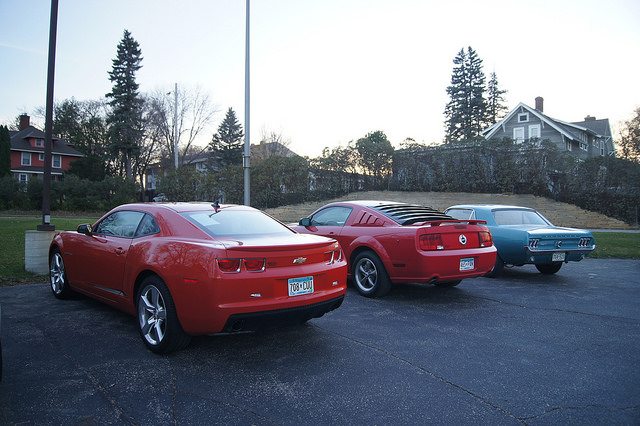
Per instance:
(48,126)
(247,144)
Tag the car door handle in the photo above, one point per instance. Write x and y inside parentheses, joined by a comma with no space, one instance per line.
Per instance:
(119,250)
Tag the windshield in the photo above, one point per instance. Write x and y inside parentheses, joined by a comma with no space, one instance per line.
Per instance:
(236,223)
(519,217)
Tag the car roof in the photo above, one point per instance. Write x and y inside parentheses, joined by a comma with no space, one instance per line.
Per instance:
(489,207)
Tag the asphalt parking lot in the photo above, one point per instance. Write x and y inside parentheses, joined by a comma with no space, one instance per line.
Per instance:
(521,349)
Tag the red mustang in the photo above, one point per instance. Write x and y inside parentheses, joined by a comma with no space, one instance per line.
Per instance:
(387,242)
(197,268)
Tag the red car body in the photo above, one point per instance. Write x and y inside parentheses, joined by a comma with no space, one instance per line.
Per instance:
(413,244)
(232,279)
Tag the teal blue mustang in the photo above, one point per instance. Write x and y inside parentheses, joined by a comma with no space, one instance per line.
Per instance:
(523,236)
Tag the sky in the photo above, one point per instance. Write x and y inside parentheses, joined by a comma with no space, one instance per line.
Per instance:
(326,72)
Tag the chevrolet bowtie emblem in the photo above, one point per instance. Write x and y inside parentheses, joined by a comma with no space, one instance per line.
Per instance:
(299,260)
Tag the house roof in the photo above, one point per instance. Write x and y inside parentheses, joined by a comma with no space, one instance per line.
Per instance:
(20,142)
(566,129)
(600,127)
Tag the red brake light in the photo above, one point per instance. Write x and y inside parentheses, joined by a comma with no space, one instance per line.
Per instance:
(255,265)
(229,265)
(485,239)
(431,242)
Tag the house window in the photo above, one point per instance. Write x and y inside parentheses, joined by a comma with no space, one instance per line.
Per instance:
(56,161)
(518,134)
(583,146)
(26,159)
(534,131)
(41,157)
(568,145)
(23,178)
(602,150)
(523,118)
(40,143)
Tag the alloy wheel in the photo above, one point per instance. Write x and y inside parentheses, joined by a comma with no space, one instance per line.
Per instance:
(152,315)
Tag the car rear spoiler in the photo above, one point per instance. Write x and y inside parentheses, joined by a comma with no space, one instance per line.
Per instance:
(452,222)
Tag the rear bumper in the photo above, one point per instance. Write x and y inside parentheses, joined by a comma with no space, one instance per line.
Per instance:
(443,266)
(270,319)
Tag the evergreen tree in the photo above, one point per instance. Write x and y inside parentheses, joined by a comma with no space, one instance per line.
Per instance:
(125,120)
(5,152)
(465,113)
(226,144)
(495,100)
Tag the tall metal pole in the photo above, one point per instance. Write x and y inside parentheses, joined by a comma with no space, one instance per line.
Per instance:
(48,127)
(175,126)
(246,158)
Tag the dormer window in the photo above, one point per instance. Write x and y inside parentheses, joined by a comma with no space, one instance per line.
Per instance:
(40,143)
(523,117)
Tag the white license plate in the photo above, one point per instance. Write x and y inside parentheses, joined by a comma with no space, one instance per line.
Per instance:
(298,286)
(467,264)
(558,257)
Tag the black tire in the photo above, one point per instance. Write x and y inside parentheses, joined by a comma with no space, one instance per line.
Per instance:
(448,283)
(58,276)
(369,275)
(549,268)
(497,268)
(158,321)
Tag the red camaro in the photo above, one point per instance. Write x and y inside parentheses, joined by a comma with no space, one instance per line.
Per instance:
(387,242)
(197,268)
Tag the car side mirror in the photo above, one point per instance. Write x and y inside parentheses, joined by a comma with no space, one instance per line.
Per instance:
(85,229)
(305,221)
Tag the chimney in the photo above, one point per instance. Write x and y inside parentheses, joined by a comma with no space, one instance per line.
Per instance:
(539,104)
(24,121)
(589,118)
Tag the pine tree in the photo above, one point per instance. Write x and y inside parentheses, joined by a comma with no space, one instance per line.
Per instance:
(125,120)
(226,144)
(495,100)
(465,113)
(5,152)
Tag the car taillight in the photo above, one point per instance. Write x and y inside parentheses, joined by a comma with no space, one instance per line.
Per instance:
(333,256)
(584,242)
(485,239)
(229,265)
(431,242)
(255,265)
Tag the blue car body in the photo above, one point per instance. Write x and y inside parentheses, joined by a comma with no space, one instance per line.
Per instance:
(523,236)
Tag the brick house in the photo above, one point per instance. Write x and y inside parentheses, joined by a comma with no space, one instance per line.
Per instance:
(27,153)
(584,139)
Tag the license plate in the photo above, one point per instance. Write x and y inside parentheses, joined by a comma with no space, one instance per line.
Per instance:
(298,286)
(558,257)
(467,264)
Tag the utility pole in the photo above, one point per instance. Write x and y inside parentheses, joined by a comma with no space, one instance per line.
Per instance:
(246,158)
(48,127)
(175,125)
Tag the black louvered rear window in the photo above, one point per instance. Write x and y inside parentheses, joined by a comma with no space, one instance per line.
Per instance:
(408,214)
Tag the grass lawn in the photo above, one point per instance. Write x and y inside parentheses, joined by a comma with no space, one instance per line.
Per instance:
(609,245)
(616,245)
(12,246)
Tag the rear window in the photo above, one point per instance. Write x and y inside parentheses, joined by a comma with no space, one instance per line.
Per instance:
(236,223)
(461,214)
(518,217)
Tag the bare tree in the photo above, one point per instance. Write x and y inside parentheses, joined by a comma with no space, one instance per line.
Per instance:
(194,114)
(274,144)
